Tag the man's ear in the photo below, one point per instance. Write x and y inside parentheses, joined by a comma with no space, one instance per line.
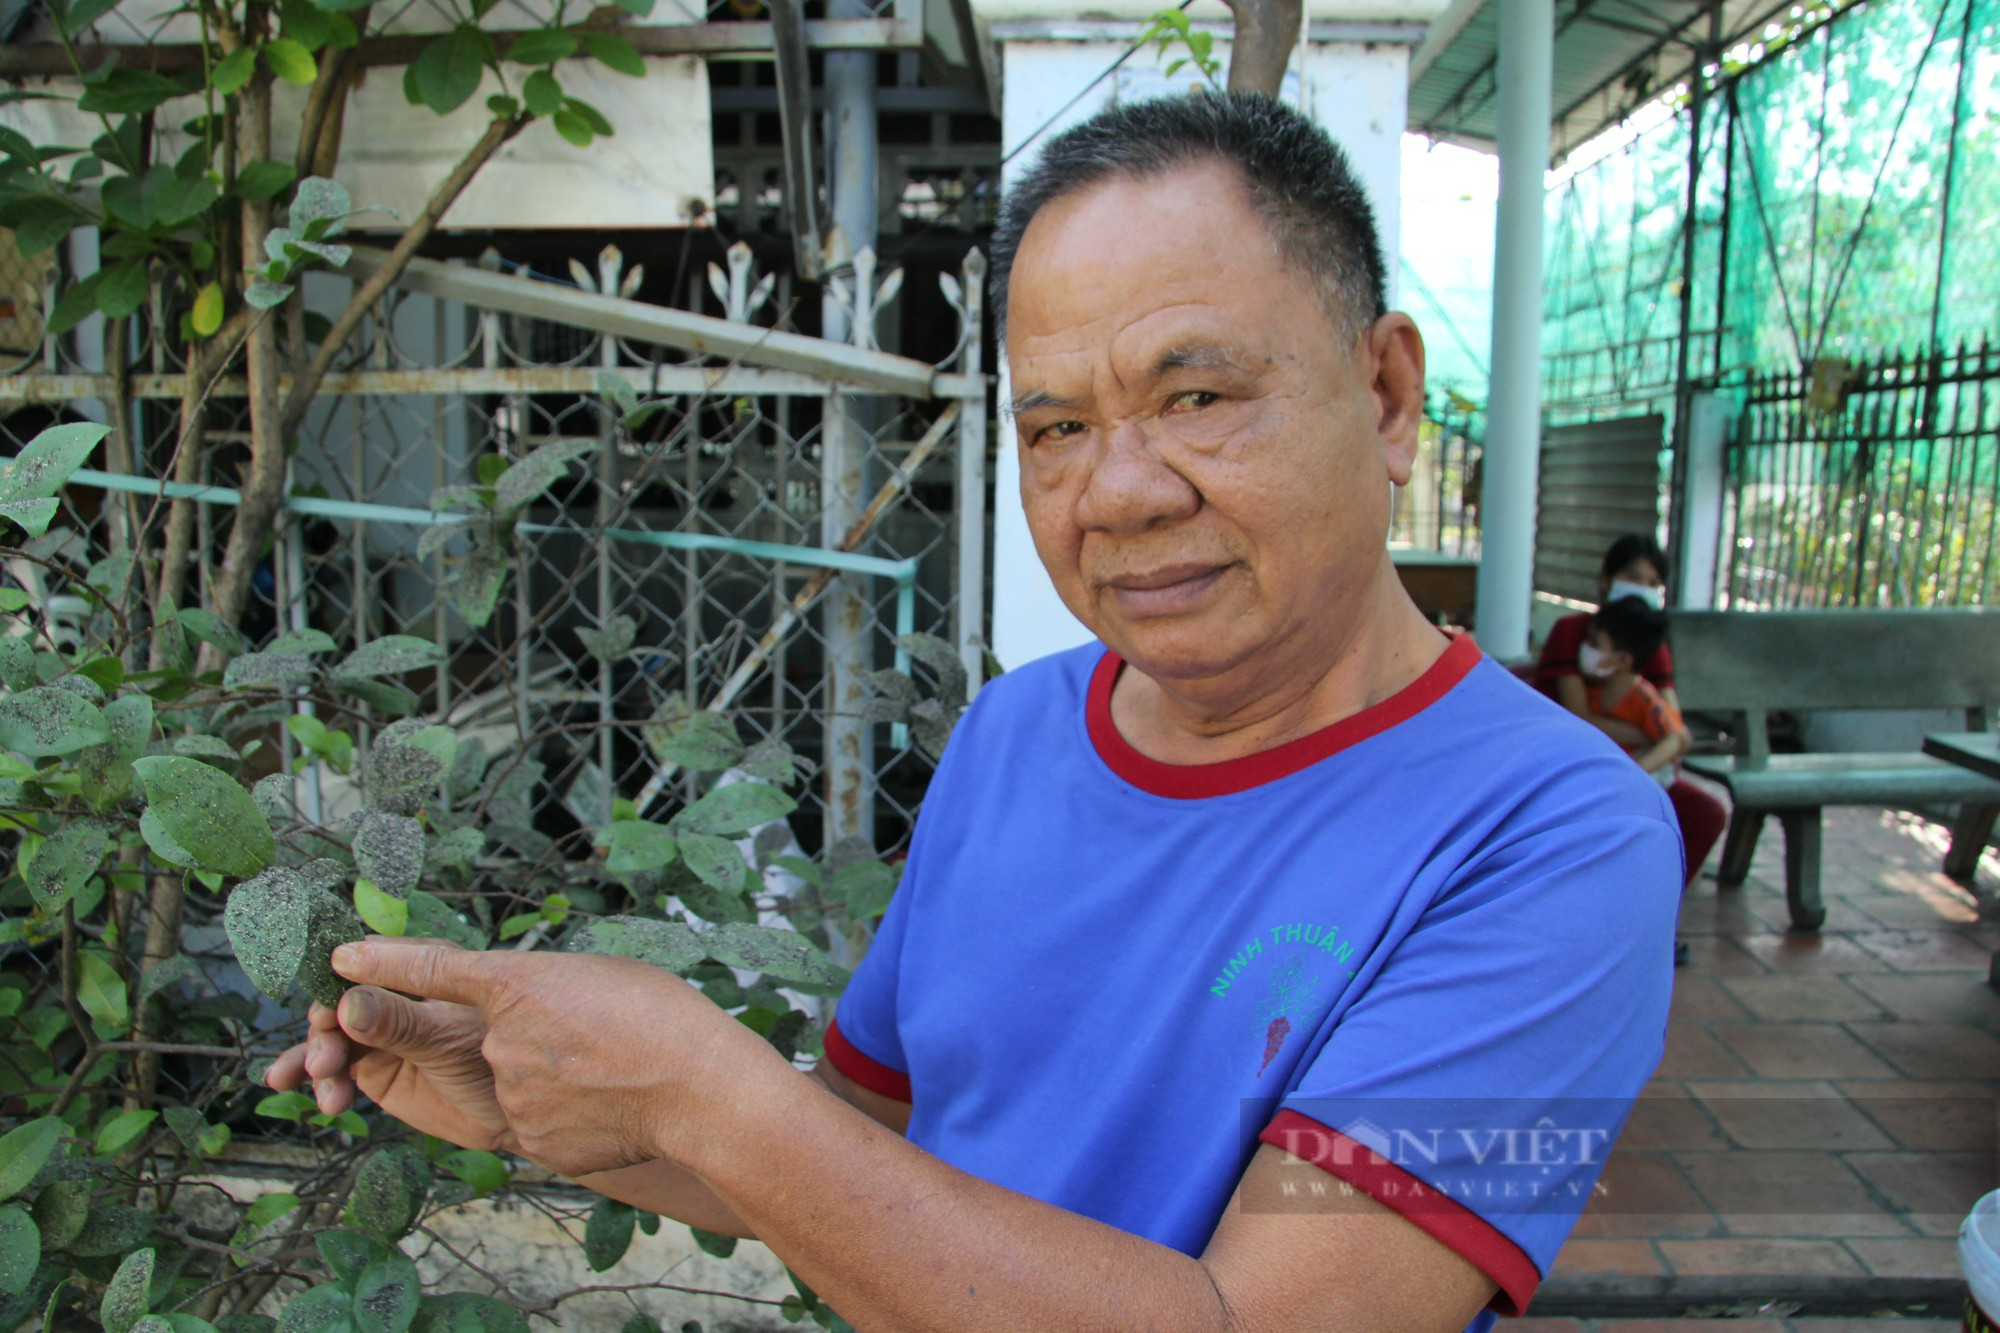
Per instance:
(1395,350)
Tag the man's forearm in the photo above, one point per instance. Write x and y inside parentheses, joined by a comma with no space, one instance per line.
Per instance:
(900,1242)
(670,1191)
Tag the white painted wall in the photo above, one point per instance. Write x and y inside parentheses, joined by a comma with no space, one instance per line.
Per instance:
(1355,89)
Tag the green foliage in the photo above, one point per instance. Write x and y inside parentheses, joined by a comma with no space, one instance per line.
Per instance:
(129,785)
(1170,28)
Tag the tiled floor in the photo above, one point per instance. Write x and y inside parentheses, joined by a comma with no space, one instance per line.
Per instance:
(1825,1113)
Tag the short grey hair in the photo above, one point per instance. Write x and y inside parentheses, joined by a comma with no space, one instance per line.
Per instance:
(1300,184)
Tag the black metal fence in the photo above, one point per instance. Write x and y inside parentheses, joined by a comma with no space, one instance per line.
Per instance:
(1873,483)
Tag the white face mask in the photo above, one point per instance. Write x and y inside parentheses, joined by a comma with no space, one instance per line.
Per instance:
(1653,597)
(1593,661)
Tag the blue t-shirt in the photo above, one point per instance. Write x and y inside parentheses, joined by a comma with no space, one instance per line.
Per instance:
(1427,949)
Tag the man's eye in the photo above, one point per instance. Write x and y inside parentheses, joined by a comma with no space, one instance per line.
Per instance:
(1061,430)
(1192,401)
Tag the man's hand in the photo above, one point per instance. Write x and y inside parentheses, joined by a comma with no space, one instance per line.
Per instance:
(420,1062)
(596,1063)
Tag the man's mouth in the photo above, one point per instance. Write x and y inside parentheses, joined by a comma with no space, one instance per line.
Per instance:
(1163,590)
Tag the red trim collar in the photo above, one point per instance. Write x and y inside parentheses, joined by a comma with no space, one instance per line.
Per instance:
(1193,781)
(1465,1232)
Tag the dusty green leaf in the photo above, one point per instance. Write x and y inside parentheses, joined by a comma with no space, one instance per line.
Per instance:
(386,1295)
(33,516)
(208,749)
(454,850)
(734,810)
(607,1234)
(389,849)
(128,1296)
(613,641)
(267,919)
(303,641)
(715,860)
(714,905)
(348,1252)
(50,720)
(944,663)
(667,944)
(20,1249)
(208,814)
(771,762)
(106,768)
(17,664)
(112,1229)
(390,655)
(865,888)
(891,696)
(531,476)
(700,742)
(60,1210)
(269,670)
(188,1125)
(66,861)
(323,1309)
(43,468)
(389,1193)
(475,581)
(273,795)
(783,956)
(323,200)
(431,918)
(468,1312)
(634,846)
(211,629)
(329,926)
(25,1150)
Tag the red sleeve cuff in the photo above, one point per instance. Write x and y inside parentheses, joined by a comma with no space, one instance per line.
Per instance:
(1468,1234)
(862,1070)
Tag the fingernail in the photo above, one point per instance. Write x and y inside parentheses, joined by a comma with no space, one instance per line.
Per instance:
(362,1009)
(346,956)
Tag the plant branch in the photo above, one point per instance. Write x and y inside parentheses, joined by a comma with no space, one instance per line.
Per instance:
(498,132)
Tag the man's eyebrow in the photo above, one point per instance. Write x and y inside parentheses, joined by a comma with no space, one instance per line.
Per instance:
(1034,401)
(1199,356)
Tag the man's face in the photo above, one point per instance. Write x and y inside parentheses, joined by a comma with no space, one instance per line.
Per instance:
(1205,461)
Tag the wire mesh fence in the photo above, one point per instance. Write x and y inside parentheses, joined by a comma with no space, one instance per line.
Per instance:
(701,500)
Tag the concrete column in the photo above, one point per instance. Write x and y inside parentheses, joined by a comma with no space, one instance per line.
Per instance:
(1514,407)
(845,440)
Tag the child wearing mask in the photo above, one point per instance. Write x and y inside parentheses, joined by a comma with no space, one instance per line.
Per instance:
(1624,633)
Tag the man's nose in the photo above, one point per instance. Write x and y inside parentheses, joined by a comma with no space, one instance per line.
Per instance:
(1131,487)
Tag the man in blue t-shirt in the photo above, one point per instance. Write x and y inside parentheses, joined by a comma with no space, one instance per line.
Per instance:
(1278,963)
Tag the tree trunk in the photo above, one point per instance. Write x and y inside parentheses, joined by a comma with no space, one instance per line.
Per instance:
(1266,32)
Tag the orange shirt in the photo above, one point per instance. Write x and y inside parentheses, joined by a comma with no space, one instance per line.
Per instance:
(1641,705)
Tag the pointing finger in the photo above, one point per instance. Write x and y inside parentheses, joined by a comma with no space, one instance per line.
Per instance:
(427,969)
(387,1022)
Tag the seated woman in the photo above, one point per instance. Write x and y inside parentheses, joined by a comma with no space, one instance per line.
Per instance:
(1635,566)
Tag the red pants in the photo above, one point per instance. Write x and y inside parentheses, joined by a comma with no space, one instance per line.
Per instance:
(1702,820)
